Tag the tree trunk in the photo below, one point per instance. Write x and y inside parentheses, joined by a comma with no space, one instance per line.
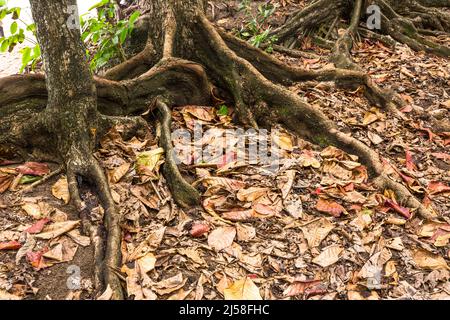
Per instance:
(71,115)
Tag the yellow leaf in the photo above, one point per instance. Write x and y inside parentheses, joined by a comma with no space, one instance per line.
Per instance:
(61,190)
(244,289)
(427,260)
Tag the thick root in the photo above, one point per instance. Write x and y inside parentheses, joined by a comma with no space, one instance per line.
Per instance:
(108,259)
(277,104)
(183,193)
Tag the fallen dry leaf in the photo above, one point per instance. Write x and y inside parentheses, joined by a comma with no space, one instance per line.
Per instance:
(331,207)
(61,190)
(56,229)
(427,260)
(243,289)
(328,256)
(221,238)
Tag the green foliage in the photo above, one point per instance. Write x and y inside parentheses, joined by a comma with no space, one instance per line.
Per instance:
(30,55)
(223,110)
(256,31)
(104,35)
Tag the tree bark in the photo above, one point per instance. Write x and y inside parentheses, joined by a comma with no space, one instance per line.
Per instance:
(71,116)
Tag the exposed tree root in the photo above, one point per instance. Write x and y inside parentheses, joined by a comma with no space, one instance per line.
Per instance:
(251,77)
(183,193)
(273,103)
(279,72)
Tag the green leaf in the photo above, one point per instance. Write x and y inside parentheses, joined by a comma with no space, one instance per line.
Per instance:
(223,111)
(26,55)
(134,17)
(14,27)
(4,46)
(29,179)
(99,4)
(123,35)
(16,13)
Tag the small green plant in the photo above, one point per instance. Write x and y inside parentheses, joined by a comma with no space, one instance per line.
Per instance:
(104,35)
(30,54)
(256,31)
(223,110)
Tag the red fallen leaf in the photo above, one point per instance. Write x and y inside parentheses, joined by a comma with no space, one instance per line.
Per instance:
(10,245)
(318,191)
(349,187)
(410,165)
(198,229)
(435,187)
(300,287)
(426,201)
(399,209)
(439,232)
(409,181)
(33,169)
(36,259)
(38,226)
(431,135)
(7,162)
(408,108)
(331,207)
(128,237)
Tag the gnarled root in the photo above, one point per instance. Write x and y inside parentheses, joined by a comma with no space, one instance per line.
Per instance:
(108,254)
(276,104)
(183,193)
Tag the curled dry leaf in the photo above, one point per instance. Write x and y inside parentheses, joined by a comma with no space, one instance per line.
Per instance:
(221,238)
(60,190)
(331,207)
(243,289)
(170,285)
(245,232)
(199,228)
(34,210)
(147,262)
(10,245)
(64,251)
(118,173)
(5,295)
